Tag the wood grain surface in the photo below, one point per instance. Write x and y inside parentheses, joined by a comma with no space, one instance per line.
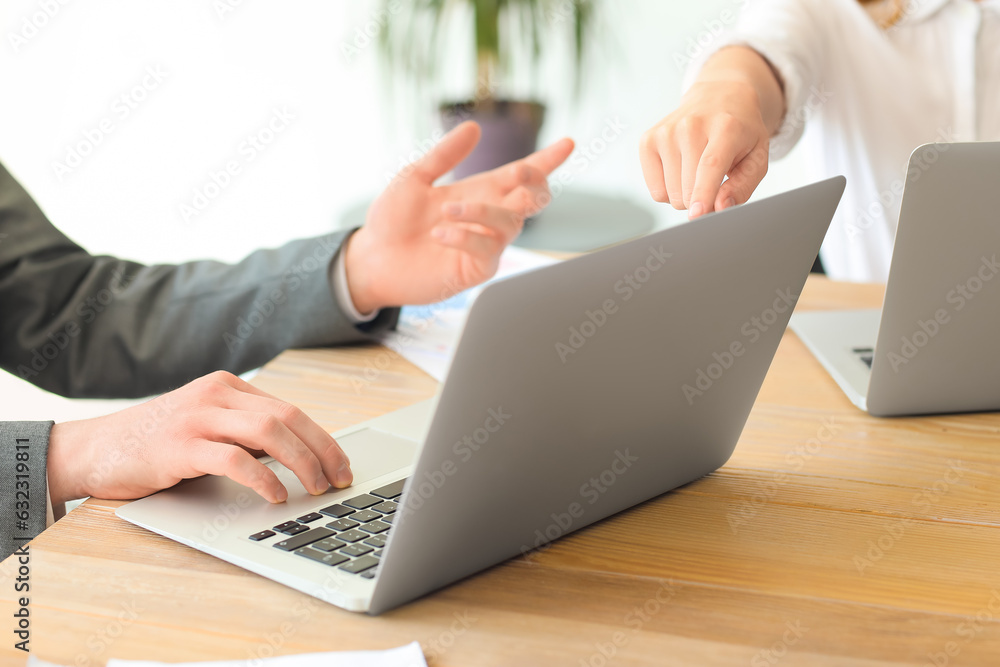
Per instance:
(829,538)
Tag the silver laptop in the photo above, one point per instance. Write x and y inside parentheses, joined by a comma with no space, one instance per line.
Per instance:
(933,346)
(576,391)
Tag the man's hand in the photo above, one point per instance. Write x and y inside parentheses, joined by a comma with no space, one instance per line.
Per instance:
(422,243)
(721,129)
(208,426)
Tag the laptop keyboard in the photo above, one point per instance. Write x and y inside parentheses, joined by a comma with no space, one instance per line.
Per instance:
(348,535)
(866,354)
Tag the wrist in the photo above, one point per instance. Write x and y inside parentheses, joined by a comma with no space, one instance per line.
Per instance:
(64,471)
(357,265)
(753,78)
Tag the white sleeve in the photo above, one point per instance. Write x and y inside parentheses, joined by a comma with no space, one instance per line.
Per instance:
(791,35)
(341,292)
(52,512)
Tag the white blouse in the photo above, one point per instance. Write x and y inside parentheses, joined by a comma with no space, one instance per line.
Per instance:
(863,98)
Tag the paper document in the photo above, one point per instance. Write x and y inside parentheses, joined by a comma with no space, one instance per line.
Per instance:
(404,656)
(426,336)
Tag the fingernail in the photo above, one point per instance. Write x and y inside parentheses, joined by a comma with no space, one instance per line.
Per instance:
(438,232)
(322,484)
(697,209)
(344,476)
(281,495)
(454,208)
(729,203)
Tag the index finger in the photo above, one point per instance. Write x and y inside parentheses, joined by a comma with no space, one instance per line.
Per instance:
(716,161)
(326,448)
(550,157)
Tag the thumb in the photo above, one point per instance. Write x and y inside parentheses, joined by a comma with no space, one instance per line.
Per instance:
(445,156)
(743,179)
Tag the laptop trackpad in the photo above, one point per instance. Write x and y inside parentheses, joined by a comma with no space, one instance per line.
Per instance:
(372,453)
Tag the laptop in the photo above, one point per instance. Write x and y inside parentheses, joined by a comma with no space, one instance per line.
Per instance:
(576,391)
(932,348)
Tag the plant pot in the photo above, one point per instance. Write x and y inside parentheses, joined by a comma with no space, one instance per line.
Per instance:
(510,131)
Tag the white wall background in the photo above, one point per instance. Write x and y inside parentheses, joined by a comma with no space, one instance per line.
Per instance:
(226,66)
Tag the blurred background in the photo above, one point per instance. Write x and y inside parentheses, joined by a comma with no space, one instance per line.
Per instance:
(121,117)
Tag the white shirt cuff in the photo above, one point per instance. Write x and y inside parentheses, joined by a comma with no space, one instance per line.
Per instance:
(52,512)
(341,292)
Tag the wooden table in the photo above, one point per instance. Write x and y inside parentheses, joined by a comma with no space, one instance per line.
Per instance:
(829,538)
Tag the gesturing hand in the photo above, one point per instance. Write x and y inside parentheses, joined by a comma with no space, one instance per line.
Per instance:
(208,426)
(721,129)
(422,243)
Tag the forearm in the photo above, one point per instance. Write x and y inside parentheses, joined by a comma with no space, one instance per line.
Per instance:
(743,66)
(81,325)
(97,326)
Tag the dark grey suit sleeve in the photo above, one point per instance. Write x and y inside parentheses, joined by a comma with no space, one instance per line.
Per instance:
(87,326)
(23,450)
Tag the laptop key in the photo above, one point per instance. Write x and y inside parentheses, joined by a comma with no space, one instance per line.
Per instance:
(352,536)
(282,527)
(362,502)
(388,518)
(359,564)
(364,516)
(328,544)
(262,535)
(377,541)
(309,518)
(343,524)
(375,527)
(393,490)
(308,537)
(320,557)
(337,511)
(355,550)
(368,574)
(295,530)
(387,507)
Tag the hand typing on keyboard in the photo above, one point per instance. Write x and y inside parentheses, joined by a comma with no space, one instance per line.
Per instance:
(214,425)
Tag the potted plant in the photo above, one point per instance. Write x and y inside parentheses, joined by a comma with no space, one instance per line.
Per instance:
(504,32)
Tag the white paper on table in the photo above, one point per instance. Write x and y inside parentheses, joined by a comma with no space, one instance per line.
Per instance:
(426,336)
(404,656)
